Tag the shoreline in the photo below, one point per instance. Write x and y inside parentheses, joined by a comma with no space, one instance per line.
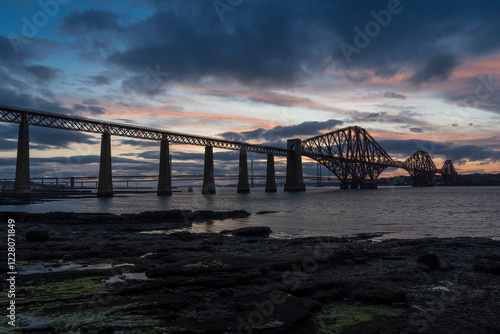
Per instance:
(245,283)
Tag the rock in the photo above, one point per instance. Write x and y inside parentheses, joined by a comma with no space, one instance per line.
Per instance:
(265,212)
(39,235)
(257,231)
(226,292)
(67,257)
(487,266)
(182,236)
(239,214)
(4,267)
(431,260)
(359,260)
(202,215)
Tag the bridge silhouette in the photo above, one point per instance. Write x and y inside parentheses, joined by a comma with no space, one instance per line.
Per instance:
(351,154)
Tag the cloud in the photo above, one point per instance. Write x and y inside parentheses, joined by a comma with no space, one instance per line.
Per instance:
(99,80)
(446,150)
(43,138)
(283,132)
(71,160)
(273,43)
(438,68)
(480,92)
(416,130)
(89,21)
(394,95)
(42,74)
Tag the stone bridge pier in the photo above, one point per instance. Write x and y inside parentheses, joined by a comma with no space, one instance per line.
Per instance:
(22,185)
(294,179)
(165,173)
(105,186)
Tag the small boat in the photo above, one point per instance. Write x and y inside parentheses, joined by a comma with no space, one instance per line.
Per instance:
(190,189)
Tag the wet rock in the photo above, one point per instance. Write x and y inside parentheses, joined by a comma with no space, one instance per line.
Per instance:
(379,293)
(38,235)
(431,260)
(67,257)
(487,266)
(4,267)
(182,236)
(201,215)
(359,260)
(257,231)
(265,212)
(226,292)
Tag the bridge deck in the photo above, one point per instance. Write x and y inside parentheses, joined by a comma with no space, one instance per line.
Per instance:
(82,124)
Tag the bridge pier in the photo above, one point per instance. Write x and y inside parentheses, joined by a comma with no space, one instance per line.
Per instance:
(105,187)
(344,185)
(294,179)
(270,178)
(208,174)
(22,182)
(354,185)
(165,173)
(243,187)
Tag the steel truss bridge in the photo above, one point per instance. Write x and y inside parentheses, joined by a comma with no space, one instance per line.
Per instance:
(354,156)
(82,124)
(351,153)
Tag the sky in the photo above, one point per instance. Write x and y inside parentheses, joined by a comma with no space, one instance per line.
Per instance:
(418,75)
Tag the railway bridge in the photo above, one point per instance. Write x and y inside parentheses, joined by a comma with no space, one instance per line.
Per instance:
(352,154)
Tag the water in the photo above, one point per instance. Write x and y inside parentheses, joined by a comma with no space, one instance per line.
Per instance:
(397,212)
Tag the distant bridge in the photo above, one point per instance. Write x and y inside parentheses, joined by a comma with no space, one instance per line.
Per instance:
(350,153)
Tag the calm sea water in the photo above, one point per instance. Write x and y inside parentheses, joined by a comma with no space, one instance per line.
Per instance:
(399,212)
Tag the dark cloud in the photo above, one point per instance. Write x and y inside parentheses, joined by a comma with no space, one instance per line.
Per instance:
(72,160)
(90,21)
(11,97)
(90,101)
(481,92)
(99,80)
(437,68)
(94,110)
(42,74)
(442,149)
(8,53)
(283,132)
(416,130)
(278,43)
(140,143)
(394,95)
(43,138)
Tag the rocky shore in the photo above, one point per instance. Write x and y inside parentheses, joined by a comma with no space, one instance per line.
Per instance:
(100,273)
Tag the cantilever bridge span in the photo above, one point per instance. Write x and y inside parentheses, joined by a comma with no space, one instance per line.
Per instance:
(354,156)
(350,153)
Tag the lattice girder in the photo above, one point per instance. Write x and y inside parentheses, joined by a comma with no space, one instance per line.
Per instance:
(350,153)
(74,123)
(421,168)
(449,173)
